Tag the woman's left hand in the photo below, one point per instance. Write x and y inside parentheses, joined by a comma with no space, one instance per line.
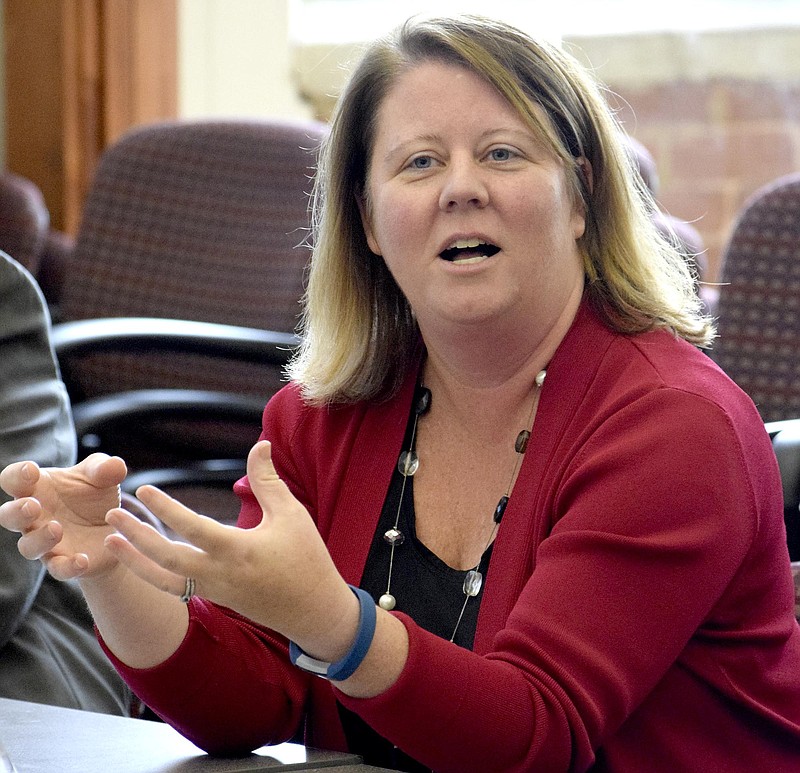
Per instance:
(279,574)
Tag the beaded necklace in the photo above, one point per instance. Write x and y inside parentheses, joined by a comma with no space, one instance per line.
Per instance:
(408,464)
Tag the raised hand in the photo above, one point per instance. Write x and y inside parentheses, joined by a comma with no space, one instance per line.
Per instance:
(60,513)
(278,574)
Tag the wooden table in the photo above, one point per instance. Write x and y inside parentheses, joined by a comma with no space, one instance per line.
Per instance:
(50,739)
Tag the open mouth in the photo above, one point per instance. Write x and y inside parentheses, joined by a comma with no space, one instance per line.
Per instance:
(469,251)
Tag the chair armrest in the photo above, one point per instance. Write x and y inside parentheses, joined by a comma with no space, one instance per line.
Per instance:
(142,334)
(91,417)
(774,427)
(786,444)
(98,412)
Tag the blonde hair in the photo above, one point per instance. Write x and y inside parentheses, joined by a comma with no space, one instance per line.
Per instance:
(359,333)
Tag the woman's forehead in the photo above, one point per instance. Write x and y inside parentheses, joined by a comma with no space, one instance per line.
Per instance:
(427,91)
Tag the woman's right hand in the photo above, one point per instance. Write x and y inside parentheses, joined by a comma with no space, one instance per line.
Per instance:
(61,513)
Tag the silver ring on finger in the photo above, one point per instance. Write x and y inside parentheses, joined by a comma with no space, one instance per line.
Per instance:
(188,590)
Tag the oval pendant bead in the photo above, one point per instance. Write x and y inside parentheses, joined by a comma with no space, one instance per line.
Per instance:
(408,463)
(473,582)
(540,376)
(500,509)
(521,443)
(394,537)
(387,602)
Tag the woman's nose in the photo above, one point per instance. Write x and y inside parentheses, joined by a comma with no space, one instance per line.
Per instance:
(463,186)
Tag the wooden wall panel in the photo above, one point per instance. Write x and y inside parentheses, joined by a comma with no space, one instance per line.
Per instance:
(82,106)
(34,119)
(79,73)
(140,53)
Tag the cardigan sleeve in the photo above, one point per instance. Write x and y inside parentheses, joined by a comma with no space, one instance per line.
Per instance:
(645,536)
(228,688)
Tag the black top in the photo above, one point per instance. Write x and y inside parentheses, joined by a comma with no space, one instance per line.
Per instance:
(426,588)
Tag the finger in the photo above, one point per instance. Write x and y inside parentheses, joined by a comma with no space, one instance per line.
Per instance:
(19,479)
(149,571)
(198,530)
(151,549)
(67,567)
(37,543)
(20,515)
(271,492)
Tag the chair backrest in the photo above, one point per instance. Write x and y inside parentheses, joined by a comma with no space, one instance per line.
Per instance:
(759,303)
(24,220)
(197,220)
(204,221)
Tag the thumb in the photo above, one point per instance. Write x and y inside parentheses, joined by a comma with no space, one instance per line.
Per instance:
(103,471)
(270,491)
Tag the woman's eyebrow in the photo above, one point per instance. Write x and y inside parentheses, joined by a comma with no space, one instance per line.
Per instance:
(404,147)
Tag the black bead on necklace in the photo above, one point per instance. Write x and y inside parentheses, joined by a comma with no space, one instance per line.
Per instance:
(408,464)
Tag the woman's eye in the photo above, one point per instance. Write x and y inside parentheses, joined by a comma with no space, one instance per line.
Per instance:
(501,154)
(421,162)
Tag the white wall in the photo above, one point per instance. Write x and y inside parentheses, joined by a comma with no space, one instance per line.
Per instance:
(235,59)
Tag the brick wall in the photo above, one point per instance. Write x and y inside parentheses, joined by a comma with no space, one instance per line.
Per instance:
(722,118)
(715,143)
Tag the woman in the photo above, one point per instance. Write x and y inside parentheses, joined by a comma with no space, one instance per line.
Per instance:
(506,443)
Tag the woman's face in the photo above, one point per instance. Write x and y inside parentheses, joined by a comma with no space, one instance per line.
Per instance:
(471,213)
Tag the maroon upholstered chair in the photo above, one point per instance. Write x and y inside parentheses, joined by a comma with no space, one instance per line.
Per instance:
(191,252)
(759,304)
(26,236)
(53,261)
(24,220)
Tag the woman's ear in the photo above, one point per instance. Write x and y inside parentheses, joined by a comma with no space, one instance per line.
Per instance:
(366,223)
(581,202)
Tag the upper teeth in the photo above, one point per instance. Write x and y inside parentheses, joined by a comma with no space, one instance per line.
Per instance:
(464,244)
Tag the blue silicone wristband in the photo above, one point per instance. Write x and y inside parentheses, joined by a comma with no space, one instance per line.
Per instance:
(352,660)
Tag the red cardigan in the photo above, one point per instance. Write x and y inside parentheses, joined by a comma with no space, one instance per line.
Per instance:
(639,604)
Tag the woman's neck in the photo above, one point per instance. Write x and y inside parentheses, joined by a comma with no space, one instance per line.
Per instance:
(491,369)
